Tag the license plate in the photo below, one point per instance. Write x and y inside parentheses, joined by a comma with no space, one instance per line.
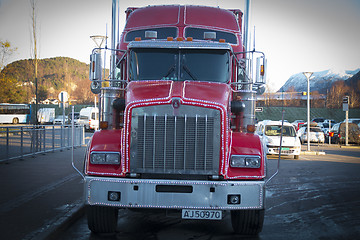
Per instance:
(285,149)
(202,214)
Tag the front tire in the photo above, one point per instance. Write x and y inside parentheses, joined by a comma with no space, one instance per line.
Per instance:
(102,219)
(247,222)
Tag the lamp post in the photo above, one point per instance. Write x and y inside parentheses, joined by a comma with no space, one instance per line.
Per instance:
(308,75)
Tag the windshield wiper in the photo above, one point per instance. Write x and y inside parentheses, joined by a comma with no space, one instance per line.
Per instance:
(188,72)
(171,69)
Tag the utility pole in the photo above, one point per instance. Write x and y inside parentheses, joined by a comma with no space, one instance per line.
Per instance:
(308,75)
(346,110)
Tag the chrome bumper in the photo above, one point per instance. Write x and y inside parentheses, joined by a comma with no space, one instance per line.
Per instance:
(174,194)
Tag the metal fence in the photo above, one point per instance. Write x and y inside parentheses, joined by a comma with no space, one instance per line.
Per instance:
(21,141)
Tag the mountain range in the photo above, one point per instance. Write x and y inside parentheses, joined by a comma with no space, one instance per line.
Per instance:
(321,81)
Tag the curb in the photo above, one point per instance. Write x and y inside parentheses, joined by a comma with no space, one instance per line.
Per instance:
(312,153)
(56,228)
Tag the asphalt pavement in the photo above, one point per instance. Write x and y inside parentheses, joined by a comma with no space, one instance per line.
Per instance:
(42,195)
(39,194)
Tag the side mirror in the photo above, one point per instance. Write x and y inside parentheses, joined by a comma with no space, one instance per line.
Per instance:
(95,67)
(261,65)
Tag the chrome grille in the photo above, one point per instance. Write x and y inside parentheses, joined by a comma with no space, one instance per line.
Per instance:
(181,141)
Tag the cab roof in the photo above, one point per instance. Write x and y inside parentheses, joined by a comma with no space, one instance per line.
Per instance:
(177,15)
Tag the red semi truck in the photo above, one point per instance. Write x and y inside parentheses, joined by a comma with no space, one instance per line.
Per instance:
(177,120)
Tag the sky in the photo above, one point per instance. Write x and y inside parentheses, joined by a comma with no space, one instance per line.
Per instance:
(296,35)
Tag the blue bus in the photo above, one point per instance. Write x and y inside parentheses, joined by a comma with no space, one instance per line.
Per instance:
(15,113)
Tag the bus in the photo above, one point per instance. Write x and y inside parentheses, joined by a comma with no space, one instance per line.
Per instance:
(14,113)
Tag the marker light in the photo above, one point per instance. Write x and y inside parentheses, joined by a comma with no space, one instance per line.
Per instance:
(189,39)
(170,39)
(250,128)
(104,125)
(179,39)
(245,161)
(221,40)
(138,39)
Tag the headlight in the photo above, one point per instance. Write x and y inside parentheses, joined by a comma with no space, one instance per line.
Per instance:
(245,161)
(105,158)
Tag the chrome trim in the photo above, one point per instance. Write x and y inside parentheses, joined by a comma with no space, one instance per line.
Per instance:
(170,146)
(179,44)
(205,194)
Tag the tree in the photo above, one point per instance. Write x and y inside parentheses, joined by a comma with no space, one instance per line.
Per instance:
(43,93)
(11,91)
(338,90)
(5,52)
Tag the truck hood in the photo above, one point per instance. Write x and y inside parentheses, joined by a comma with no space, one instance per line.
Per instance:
(187,91)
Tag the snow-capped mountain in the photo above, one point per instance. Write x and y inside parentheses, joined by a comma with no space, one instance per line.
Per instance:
(319,81)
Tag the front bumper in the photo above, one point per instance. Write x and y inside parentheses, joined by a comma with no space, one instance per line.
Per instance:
(174,194)
(284,150)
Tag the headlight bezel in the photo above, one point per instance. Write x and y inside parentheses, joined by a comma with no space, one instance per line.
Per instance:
(245,161)
(105,158)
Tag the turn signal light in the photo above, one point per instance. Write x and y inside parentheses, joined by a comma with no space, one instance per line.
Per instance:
(250,128)
(104,125)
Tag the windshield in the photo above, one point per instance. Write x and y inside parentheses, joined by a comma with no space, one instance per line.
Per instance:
(274,130)
(179,65)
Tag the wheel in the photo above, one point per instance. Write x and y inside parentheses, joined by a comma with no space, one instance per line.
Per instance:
(247,222)
(15,121)
(102,219)
(296,156)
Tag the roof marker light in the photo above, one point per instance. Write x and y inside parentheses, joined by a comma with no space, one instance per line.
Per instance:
(209,35)
(221,40)
(179,39)
(138,39)
(189,39)
(151,34)
(170,39)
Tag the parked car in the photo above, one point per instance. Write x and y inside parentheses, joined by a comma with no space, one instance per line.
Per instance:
(337,133)
(317,120)
(270,133)
(354,120)
(76,118)
(89,117)
(332,121)
(316,135)
(297,124)
(59,119)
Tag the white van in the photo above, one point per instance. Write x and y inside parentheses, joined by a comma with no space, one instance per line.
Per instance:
(89,117)
(46,115)
(269,132)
